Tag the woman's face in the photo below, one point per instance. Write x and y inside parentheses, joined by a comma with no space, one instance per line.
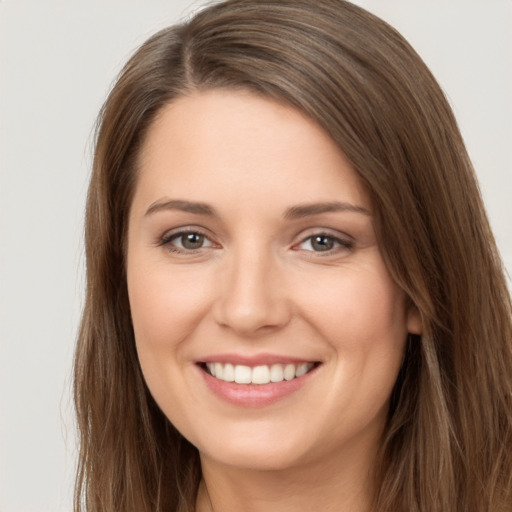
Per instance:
(252,255)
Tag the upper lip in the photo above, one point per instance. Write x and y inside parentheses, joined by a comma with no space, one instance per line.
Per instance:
(254,359)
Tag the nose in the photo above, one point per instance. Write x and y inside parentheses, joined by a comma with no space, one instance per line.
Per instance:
(252,296)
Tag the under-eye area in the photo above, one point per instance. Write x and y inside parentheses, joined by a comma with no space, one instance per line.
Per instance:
(261,374)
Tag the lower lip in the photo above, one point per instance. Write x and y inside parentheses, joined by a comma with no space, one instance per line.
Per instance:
(254,395)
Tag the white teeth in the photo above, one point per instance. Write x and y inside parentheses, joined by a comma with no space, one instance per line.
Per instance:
(301,370)
(289,372)
(242,374)
(262,374)
(211,368)
(228,373)
(276,373)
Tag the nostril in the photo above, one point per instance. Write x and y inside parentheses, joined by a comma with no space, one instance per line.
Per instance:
(249,318)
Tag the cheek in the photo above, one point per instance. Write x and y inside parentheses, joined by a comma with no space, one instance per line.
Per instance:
(357,308)
(166,309)
(165,306)
(362,316)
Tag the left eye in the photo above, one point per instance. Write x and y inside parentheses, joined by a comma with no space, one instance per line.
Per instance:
(323,243)
(189,241)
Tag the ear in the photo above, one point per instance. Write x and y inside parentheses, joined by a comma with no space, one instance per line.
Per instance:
(414,322)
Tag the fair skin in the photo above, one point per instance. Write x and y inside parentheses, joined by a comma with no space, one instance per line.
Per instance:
(251,244)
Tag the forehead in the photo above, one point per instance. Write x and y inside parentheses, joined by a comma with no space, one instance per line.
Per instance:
(244,144)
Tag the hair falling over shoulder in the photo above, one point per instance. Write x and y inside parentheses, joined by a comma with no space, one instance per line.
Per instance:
(448,441)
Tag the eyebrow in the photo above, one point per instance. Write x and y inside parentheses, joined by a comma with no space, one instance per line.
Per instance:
(184,206)
(295,212)
(308,210)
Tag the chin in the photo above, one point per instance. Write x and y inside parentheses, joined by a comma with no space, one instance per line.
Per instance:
(250,457)
(261,449)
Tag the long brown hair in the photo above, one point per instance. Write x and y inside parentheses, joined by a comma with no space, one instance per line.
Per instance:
(448,441)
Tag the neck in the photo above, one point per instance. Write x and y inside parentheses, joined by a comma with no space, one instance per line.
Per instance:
(338,485)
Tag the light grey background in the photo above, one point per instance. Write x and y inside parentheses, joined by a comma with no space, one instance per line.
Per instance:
(57,61)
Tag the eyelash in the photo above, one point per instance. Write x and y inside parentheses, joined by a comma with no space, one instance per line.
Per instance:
(167,241)
(339,244)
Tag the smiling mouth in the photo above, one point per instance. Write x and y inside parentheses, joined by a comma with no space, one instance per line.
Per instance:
(262,374)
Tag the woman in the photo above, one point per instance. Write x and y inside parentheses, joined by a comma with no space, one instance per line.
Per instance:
(294,299)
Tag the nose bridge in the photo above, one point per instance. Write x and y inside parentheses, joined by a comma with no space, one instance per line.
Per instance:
(251,298)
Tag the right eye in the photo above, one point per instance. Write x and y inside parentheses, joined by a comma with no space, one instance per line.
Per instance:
(186,241)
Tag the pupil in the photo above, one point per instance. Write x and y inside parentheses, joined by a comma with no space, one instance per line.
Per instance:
(192,241)
(322,243)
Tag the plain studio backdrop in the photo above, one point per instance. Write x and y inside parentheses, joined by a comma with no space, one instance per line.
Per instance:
(57,62)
